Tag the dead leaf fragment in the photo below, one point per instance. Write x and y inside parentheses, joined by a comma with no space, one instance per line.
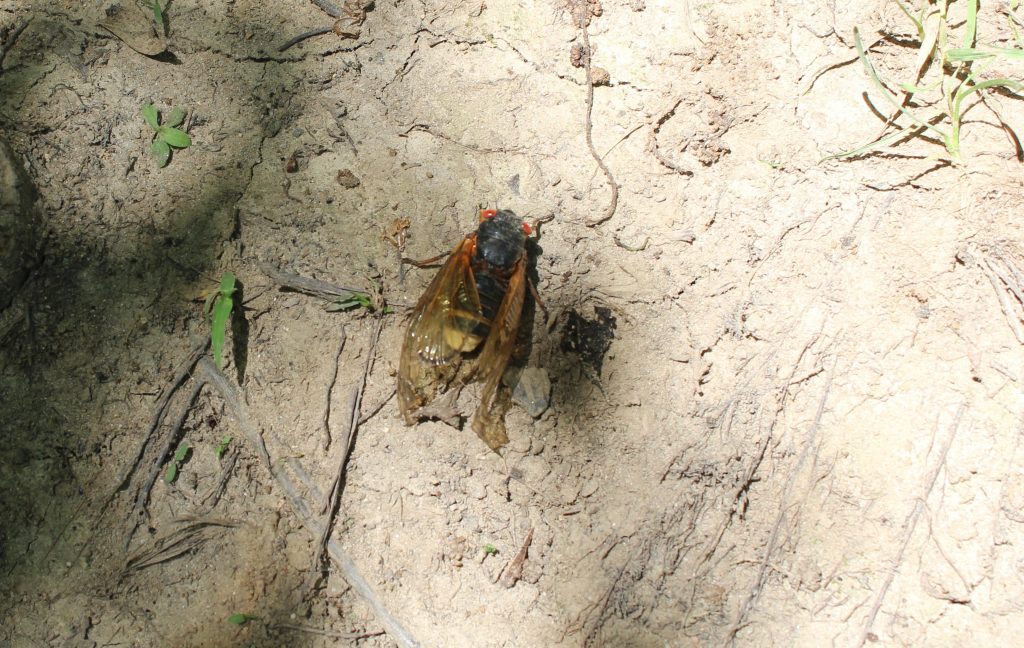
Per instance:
(347,179)
(514,571)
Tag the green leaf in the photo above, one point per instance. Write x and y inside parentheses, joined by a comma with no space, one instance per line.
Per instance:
(221,312)
(354,300)
(175,137)
(171,474)
(490,549)
(176,117)
(182,453)
(971,24)
(208,304)
(158,15)
(151,116)
(241,619)
(958,54)
(222,447)
(161,152)
(227,284)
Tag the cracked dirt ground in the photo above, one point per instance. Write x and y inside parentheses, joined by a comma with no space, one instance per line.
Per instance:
(804,429)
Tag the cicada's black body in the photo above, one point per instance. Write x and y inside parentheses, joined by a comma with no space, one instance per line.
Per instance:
(499,246)
(464,327)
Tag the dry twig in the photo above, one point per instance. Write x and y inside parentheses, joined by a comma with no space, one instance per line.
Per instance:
(212,496)
(302,509)
(331,505)
(328,633)
(908,528)
(329,389)
(143,492)
(348,569)
(514,570)
(180,541)
(230,396)
(161,404)
(588,128)
(313,287)
(809,443)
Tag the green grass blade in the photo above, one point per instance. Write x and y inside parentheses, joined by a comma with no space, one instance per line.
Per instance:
(1012,21)
(910,88)
(966,91)
(962,54)
(974,53)
(971,24)
(918,24)
(873,146)
(862,55)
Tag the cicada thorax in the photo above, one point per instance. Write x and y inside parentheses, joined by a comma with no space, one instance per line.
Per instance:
(500,242)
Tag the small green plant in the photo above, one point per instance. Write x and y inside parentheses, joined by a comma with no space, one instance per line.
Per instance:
(350,301)
(938,107)
(179,458)
(241,619)
(167,135)
(490,549)
(357,300)
(222,447)
(218,308)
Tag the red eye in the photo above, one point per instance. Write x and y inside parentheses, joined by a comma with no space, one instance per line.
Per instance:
(488,213)
(527,229)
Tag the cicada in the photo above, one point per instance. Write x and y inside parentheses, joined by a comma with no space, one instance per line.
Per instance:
(464,328)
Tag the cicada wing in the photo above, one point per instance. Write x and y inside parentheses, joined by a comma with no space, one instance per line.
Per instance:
(489,419)
(449,307)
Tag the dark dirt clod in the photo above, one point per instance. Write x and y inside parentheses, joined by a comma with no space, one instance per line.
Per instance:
(590,338)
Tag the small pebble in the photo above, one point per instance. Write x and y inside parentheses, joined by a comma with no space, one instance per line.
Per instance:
(533,391)
(476,490)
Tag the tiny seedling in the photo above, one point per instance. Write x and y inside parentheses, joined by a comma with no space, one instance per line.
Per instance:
(223,446)
(218,308)
(373,303)
(241,619)
(351,301)
(490,549)
(158,17)
(179,458)
(937,108)
(167,135)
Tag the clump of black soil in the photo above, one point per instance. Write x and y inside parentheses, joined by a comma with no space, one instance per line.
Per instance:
(590,338)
